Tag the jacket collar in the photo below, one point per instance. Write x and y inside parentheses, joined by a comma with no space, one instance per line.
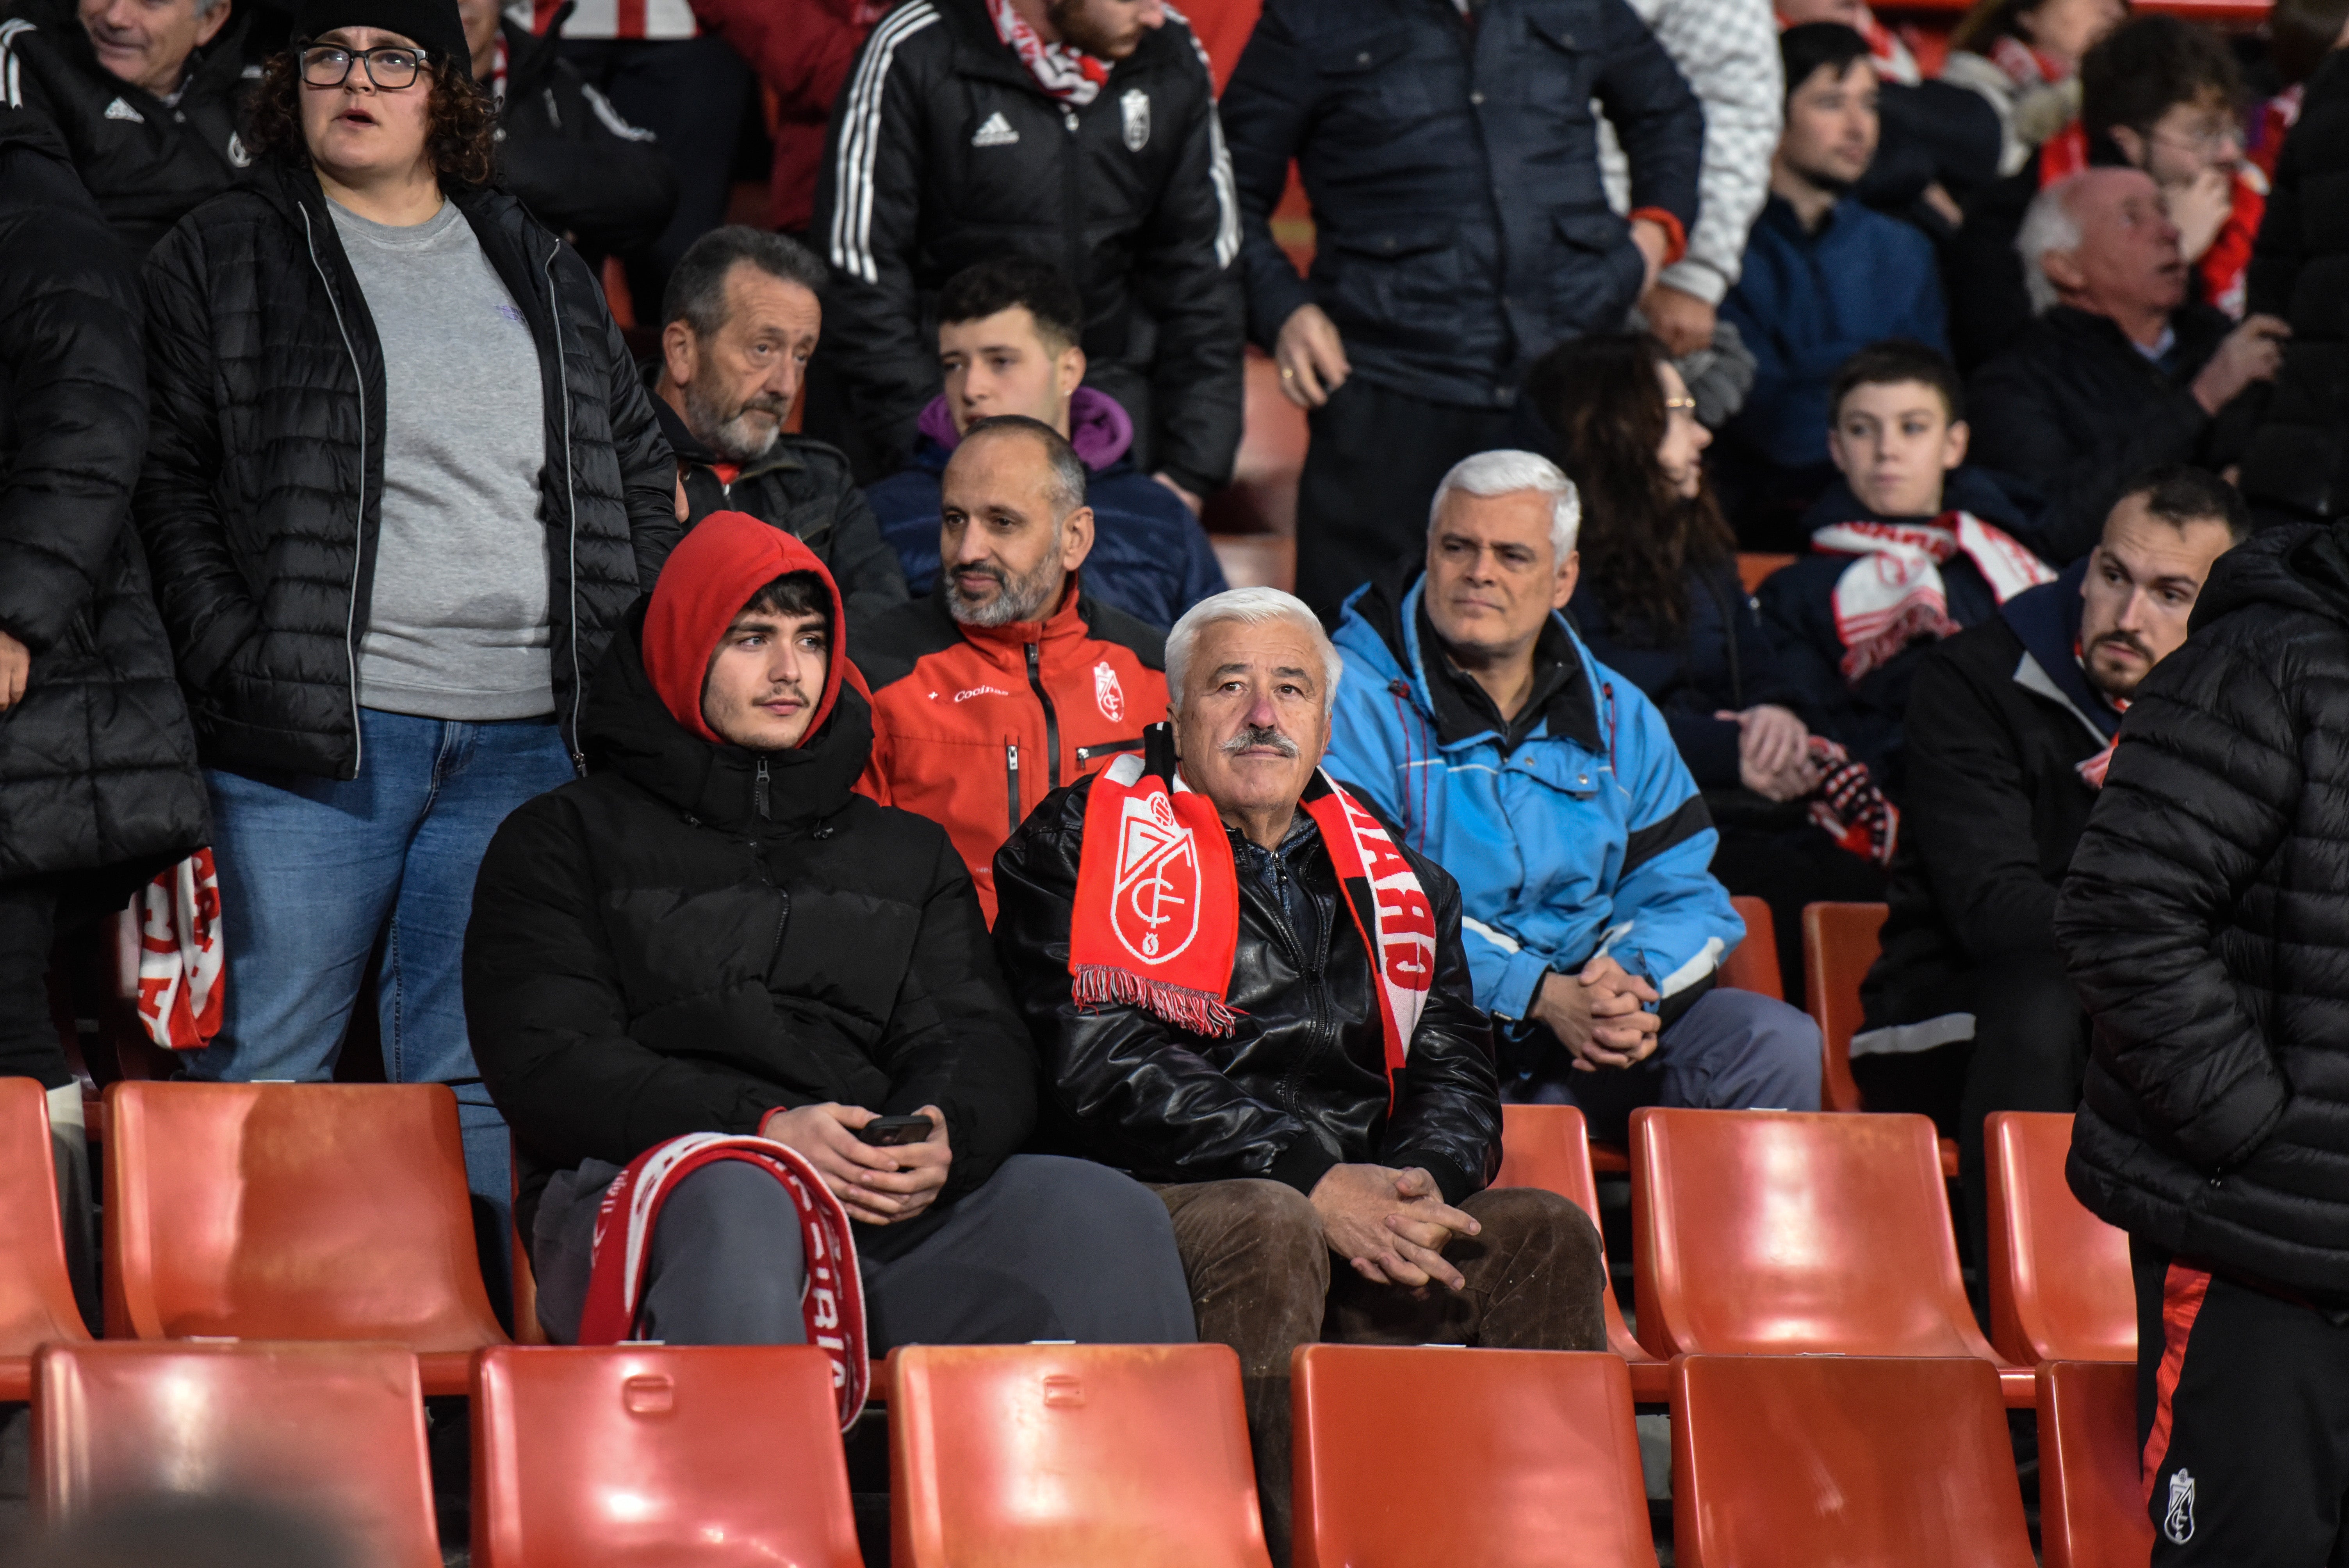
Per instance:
(1008,644)
(689,449)
(1779,214)
(2046,620)
(1099,430)
(1963,489)
(1388,610)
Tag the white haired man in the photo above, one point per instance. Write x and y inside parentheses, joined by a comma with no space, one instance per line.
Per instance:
(1249,993)
(2119,373)
(1550,788)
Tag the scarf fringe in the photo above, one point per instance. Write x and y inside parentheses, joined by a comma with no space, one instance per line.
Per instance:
(1918,618)
(1200,1012)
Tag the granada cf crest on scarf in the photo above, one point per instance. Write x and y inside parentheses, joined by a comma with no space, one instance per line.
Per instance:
(1156,911)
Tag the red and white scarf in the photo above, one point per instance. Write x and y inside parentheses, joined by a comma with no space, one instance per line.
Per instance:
(832,1305)
(2024,66)
(176,965)
(1157,916)
(1070,74)
(1893,594)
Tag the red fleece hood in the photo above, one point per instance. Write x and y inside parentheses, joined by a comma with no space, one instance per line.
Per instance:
(710,575)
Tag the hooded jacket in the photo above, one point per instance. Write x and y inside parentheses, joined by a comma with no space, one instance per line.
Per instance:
(695,934)
(98,765)
(1150,557)
(1586,835)
(1798,611)
(975,725)
(261,499)
(1999,719)
(2201,921)
(566,154)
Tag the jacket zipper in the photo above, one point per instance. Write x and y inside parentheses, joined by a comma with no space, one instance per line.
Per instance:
(358,516)
(1072,226)
(1051,721)
(570,511)
(1316,982)
(1107,749)
(1011,779)
(758,790)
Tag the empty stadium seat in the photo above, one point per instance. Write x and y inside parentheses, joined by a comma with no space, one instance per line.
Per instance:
(1842,1461)
(1134,1456)
(2059,1276)
(336,1431)
(638,1455)
(1753,569)
(36,1299)
(1752,964)
(294,1212)
(1839,943)
(1546,1146)
(2092,1502)
(1532,1453)
(1771,1232)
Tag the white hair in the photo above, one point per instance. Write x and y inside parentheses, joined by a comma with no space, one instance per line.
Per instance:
(1507,472)
(2049,225)
(1253,607)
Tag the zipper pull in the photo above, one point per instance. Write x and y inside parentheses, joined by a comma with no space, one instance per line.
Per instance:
(759,789)
(1011,779)
(1069,118)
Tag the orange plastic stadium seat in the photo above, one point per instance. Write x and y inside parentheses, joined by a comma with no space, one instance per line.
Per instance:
(1842,1461)
(2092,1502)
(1533,1452)
(36,1299)
(1839,943)
(294,1212)
(1752,964)
(1768,1233)
(2059,1277)
(336,1431)
(637,1456)
(1546,1146)
(1754,569)
(1134,1456)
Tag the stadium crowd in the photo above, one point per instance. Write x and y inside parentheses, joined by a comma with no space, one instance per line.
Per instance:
(816,716)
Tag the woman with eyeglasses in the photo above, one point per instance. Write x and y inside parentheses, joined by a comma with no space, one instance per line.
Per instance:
(1659,602)
(402,487)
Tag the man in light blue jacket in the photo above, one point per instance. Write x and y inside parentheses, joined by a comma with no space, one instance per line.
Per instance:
(1549,786)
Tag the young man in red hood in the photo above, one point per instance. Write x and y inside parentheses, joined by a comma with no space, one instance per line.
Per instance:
(712,932)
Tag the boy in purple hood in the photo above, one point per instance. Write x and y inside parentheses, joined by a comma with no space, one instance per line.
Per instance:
(1008,334)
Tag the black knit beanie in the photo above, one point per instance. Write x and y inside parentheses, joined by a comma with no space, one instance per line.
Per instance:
(432,25)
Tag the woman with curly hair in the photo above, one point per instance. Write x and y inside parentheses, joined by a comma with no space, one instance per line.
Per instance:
(402,485)
(1659,602)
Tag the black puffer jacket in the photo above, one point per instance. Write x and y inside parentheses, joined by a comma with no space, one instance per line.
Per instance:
(98,768)
(261,499)
(1302,1085)
(2202,922)
(146,162)
(650,956)
(944,152)
(563,148)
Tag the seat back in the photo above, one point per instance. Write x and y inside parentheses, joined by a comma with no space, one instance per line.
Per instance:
(1840,941)
(1533,1450)
(1843,1461)
(2092,1502)
(1132,1455)
(1754,569)
(1774,1232)
(36,1299)
(2059,1277)
(1752,964)
(291,1212)
(1548,1146)
(643,1455)
(333,1431)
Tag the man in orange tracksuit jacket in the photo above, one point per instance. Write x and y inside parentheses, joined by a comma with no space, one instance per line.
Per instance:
(1007,682)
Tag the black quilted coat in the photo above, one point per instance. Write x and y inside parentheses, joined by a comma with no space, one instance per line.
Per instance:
(261,498)
(2204,921)
(97,769)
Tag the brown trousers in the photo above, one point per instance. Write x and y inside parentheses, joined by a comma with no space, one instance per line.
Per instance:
(1262,1281)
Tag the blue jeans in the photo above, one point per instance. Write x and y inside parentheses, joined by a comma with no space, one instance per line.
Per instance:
(312,870)
(1732,1050)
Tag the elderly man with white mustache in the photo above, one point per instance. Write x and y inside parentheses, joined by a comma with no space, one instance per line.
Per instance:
(1251,995)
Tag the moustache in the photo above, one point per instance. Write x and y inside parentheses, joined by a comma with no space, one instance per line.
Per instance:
(1259,735)
(2127,640)
(764,403)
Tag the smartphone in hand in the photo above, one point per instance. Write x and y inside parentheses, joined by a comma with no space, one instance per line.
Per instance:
(890,1131)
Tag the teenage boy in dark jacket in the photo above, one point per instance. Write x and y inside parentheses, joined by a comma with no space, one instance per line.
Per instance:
(2009,727)
(712,933)
(2201,921)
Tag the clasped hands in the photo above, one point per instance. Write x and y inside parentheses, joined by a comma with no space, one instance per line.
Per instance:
(1599,1016)
(1392,1225)
(879,1186)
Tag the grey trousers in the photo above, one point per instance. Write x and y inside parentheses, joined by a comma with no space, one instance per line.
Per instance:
(1046,1248)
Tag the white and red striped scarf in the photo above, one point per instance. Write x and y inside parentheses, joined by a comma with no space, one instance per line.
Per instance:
(832,1305)
(1156,919)
(179,974)
(1070,74)
(2024,66)
(1893,594)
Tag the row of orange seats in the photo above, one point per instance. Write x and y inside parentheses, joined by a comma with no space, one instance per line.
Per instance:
(1137,1455)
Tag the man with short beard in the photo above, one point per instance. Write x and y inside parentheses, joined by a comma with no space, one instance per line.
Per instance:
(1008,681)
(740,320)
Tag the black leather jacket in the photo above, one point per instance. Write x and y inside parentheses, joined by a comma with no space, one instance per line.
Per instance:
(1301,1085)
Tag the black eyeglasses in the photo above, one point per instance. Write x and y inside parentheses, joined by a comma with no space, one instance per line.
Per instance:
(390,67)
